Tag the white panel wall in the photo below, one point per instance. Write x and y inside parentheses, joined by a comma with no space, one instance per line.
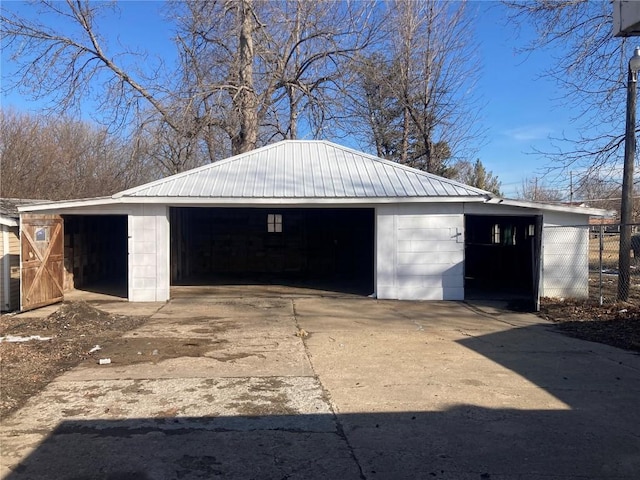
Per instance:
(420,252)
(565,261)
(149,253)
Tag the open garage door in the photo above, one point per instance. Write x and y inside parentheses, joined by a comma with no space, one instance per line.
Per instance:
(502,258)
(96,253)
(319,248)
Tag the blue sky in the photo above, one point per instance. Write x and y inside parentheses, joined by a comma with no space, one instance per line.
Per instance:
(520,110)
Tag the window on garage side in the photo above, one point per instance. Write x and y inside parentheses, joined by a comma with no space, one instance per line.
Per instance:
(530,232)
(274,223)
(495,234)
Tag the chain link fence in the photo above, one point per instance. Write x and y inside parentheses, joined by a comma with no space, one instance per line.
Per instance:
(601,286)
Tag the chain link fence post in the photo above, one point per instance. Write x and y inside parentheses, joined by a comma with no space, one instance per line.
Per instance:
(601,248)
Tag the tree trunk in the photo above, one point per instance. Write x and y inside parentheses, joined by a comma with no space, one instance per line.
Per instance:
(246,100)
(404,156)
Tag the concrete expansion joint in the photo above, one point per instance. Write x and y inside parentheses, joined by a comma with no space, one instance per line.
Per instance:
(633,363)
(167,429)
(327,395)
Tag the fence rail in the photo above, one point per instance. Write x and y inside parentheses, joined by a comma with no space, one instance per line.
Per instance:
(604,253)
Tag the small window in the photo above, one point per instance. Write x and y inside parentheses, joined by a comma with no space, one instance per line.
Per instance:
(42,234)
(531,231)
(508,235)
(274,223)
(495,233)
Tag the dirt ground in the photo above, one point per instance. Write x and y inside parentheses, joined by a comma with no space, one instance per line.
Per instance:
(617,325)
(76,328)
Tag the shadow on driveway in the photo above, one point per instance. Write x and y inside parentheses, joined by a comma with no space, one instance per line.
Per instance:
(595,437)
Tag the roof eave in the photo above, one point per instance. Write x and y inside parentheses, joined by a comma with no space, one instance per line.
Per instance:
(63,204)
(132,200)
(595,212)
(299,200)
(8,221)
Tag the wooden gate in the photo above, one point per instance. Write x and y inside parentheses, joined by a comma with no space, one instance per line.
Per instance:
(42,260)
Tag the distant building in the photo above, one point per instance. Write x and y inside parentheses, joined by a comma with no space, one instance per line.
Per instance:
(9,255)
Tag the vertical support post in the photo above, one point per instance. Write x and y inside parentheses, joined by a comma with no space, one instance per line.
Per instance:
(601,241)
(5,263)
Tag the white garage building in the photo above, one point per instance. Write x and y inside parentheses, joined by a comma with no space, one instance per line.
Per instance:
(307,213)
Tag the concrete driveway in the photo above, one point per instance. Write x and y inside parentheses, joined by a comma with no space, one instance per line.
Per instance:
(294,385)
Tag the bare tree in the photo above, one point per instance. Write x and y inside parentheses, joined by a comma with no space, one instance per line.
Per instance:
(62,158)
(248,71)
(590,67)
(61,63)
(535,190)
(414,93)
(605,193)
(298,51)
(313,45)
(60,57)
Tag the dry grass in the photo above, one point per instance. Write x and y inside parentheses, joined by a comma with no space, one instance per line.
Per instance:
(610,248)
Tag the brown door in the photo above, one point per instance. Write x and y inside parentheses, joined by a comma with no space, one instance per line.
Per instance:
(41,260)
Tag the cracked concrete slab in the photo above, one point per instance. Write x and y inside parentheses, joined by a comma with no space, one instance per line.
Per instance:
(371,389)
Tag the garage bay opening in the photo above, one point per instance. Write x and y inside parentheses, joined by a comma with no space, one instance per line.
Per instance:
(95,253)
(502,258)
(324,248)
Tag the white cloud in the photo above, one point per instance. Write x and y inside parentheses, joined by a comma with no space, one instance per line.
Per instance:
(528,133)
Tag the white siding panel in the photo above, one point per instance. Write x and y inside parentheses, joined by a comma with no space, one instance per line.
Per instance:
(426,246)
(142,295)
(431,269)
(149,253)
(425,221)
(146,235)
(427,293)
(443,234)
(163,272)
(385,252)
(454,294)
(141,259)
(146,283)
(434,259)
(143,271)
(431,281)
(420,252)
(144,247)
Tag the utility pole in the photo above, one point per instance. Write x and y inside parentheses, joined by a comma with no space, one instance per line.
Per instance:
(570,188)
(626,206)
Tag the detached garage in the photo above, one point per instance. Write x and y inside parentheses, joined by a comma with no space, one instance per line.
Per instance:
(318,214)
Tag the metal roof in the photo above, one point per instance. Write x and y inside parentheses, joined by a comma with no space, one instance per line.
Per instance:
(305,169)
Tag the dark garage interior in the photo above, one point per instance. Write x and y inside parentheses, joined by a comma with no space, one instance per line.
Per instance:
(502,257)
(326,248)
(95,253)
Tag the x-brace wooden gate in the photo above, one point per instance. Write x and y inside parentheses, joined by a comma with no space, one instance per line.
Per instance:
(41,260)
